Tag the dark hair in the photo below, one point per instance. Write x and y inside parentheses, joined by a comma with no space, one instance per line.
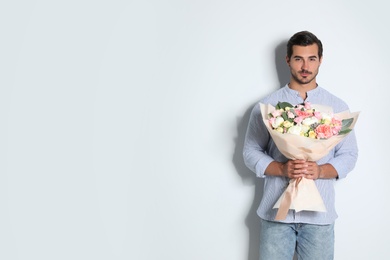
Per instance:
(303,38)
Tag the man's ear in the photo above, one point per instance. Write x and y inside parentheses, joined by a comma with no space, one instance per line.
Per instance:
(288,60)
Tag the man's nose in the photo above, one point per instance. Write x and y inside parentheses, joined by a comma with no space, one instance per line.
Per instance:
(304,65)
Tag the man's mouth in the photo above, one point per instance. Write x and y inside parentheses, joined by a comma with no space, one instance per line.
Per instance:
(305,73)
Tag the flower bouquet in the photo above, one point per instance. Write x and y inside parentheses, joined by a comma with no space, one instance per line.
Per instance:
(307,132)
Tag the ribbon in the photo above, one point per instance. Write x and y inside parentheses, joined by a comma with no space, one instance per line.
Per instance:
(288,197)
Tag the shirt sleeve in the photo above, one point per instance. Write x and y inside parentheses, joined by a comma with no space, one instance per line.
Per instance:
(345,155)
(255,144)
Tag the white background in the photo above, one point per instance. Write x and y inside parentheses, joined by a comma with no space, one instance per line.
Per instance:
(122,123)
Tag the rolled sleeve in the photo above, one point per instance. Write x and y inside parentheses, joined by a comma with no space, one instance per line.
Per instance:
(256,141)
(345,157)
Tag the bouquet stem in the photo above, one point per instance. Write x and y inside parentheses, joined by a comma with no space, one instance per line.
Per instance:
(287,199)
(300,194)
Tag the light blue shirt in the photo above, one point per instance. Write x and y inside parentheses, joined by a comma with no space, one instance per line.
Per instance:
(260,150)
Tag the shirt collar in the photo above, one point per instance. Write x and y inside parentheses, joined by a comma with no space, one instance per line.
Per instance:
(310,93)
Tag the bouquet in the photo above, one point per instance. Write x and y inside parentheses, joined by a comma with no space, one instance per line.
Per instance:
(308,132)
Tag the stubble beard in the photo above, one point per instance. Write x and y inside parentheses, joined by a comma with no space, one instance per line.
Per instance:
(304,80)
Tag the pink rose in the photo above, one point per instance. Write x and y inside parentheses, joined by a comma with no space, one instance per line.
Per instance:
(336,122)
(276,113)
(307,105)
(290,114)
(298,119)
(301,113)
(336,130)
(324,131)
(272,120)
(318,115)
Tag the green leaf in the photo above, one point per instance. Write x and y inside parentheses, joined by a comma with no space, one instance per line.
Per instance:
(283,105)
(346,131)
(345,123)
(284,115)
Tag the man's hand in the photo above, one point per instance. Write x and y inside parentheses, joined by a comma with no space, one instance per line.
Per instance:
(294,169)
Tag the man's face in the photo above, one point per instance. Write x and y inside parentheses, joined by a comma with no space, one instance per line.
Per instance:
(304,63)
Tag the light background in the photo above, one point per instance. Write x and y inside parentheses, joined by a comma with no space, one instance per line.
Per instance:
(122,122)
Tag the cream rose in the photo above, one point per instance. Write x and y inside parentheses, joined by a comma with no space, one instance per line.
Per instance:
(326,118)
(287,124)
(309,121)
(278,121)
(295,130)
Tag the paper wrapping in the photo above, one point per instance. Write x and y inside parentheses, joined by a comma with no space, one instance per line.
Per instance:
(302,194)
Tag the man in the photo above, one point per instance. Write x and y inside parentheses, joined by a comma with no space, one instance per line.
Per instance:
(308,233)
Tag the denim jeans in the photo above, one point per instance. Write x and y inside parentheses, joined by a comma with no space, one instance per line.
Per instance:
(279,241)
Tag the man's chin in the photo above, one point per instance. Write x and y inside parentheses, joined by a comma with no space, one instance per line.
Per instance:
(305,81)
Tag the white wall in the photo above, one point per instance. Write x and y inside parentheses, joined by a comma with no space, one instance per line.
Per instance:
(122,122)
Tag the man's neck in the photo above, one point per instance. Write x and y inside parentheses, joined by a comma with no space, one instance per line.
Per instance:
(303,88)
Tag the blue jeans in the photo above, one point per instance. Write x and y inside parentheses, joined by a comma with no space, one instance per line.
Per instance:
(279,241)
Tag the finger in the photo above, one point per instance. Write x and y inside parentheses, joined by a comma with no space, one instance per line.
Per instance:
(298,161)
(299,168)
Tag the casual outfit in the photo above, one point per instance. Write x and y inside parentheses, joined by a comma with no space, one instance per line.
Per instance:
(260,150)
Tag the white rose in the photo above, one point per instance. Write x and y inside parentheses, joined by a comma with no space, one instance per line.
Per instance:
(326,118)
(305,128)
(287,124)
(295,130)
(278,121)
(309,121)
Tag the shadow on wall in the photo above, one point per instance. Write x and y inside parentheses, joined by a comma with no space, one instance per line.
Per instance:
(252,221)
(282,68)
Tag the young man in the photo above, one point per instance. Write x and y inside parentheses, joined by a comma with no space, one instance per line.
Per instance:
(309,233)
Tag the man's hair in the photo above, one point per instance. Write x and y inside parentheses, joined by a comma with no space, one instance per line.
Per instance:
(303,38)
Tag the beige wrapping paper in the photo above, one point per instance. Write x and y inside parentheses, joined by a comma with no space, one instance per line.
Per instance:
(302,194)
